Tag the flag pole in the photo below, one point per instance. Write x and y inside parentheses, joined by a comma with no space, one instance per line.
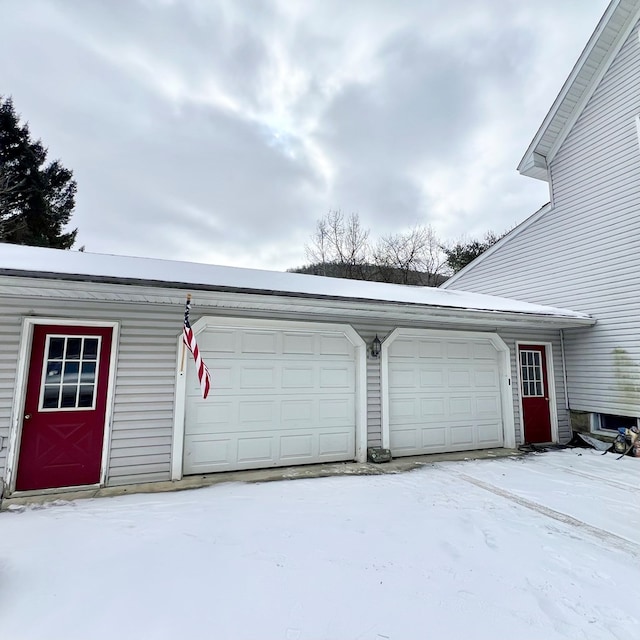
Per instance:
(184,348)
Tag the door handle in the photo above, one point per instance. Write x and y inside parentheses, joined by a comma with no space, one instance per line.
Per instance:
(27,416)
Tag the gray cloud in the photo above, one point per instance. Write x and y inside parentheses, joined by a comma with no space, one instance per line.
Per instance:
(221,131)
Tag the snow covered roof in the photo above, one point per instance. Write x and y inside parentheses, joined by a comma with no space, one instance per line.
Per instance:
(16,260)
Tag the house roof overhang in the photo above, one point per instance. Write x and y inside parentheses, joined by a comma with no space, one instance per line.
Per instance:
(29,272)
(613,29)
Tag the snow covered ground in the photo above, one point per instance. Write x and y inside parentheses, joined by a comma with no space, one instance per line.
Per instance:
(540,547)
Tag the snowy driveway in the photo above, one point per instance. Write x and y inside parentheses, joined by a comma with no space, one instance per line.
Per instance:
(533,548)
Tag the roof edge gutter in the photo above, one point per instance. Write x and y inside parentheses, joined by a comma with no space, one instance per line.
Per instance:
(252,299)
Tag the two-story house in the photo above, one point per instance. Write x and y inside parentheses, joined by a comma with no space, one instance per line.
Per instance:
(582,250)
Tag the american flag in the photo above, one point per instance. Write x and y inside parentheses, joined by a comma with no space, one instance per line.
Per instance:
(190,340)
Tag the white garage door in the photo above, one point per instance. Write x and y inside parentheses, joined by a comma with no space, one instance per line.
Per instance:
(444,395)
(279,397)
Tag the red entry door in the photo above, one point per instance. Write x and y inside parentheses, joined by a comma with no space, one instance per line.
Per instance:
(535,393)
(65,407)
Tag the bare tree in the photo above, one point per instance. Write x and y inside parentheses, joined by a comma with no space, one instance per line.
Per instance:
(341,248)
(340,240)
(415,256)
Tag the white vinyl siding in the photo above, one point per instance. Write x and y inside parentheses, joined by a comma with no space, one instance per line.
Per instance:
(142,422)
(536,336)
(10,327)
(584,254)
(374,411)
(142,419)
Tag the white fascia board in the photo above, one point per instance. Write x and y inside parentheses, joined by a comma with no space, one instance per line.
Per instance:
(304,308)
(535,167)
(528,165)
(595,82)
(492,249)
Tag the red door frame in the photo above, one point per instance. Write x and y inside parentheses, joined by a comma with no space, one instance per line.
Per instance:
(538,412)
(20,410)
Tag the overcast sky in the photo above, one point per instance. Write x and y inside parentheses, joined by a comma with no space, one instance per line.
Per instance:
(221,130)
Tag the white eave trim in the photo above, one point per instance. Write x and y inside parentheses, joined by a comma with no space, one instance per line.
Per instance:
(536,167)
(307,308)
(529,165)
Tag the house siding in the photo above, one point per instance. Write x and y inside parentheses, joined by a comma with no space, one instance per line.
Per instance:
(374,403)
(10,326)
(144,399)
(538,336)
(142,418)
(584,253)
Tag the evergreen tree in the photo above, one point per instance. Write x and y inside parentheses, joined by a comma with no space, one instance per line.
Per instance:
(463,252)
(36,198)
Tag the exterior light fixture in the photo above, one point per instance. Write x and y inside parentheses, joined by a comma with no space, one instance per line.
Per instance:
(376,345)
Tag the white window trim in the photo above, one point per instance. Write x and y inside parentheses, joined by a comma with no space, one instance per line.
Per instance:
(43,376)
(17,409)
(504,362)
(177,447)
(551,382)
(595,424)
(537,364)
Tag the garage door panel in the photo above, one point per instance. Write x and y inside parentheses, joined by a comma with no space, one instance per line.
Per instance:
(433,437)
(298,343)
(457,405)
(432,378)
(253,415)
(337,377)
(403,410)
(461,407)
(404,377)
(404,440)
(462,435)
(258,342)
(486,378)
(296,446)
(221,413)
(205,452)
(282,397)
(404,348)
(426,349)
(336,411)
(257,450)
(219,341)
(257,378)
(459,378)
(337,444)
(301,377)
(254,449)
(488,433)
(335,346)
(488,407)
(223,377)
(431,408)
(294,412)
(458,350)
(483,351)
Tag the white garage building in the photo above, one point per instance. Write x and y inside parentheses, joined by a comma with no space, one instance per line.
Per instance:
(95,390)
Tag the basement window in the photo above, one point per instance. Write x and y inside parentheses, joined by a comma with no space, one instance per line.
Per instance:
(613,423)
